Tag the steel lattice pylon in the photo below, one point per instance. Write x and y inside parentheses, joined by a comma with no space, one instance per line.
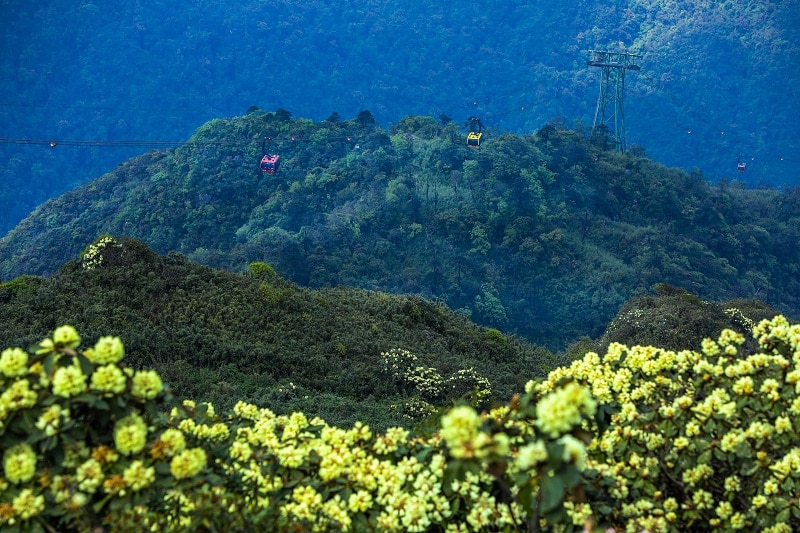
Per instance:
(610,109)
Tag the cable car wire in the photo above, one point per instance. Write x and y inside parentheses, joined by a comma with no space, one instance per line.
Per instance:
(163,144)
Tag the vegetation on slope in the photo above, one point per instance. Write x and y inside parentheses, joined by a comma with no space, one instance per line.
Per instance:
(343,354)
(545,236)
(673,319)
(640,438)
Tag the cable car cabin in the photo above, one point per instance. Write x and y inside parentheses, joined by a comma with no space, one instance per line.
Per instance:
(741,167)
(474,136)
(474,139)
(269,163)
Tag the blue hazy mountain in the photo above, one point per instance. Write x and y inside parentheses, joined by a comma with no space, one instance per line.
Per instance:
(718,81)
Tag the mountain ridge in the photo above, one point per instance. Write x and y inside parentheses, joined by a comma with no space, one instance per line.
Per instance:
(542,235)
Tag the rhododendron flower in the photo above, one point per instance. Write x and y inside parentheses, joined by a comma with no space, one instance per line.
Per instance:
(19,463)
(108,379)
(13,362)
(66,336)
(69,381)
(147,384)
(188,463)
(107,350)
(130,434)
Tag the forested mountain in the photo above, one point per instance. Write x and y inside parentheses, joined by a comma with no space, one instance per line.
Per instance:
(543,235)
(716,78)
(343,354)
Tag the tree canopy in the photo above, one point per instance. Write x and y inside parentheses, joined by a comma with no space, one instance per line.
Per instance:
(544,236)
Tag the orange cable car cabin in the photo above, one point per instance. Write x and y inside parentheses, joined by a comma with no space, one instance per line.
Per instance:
(269,163)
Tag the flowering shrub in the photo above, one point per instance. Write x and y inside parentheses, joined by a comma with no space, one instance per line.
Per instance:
(89,442)
(639,439)
(402,366)
(697,440)
(92,256)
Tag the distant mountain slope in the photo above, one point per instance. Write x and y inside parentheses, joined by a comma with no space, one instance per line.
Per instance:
(715,80)
(675,319)
(545,235)
(223,337)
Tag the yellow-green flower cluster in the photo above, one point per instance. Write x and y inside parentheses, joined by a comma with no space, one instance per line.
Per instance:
(187,463)
(343,455)
(130,434)
(13,362)
(563,409)
(92,257)
(689,423)
(66,336)
(19,463)
(138,476)
(697,439)
(17,396)
(107,350)
(27,504)
(170,443)
(69,381)
(146,385)
(108,380)
(89,476)
(396,481)
(403,367)
(531,455)
(51,419)
(47,389)
(65,339)
(461,431)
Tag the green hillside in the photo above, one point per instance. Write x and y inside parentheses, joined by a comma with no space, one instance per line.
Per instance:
(544,236)
(599,442)
(223,337)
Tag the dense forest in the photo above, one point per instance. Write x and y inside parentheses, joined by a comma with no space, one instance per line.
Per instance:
(340,353)
(343,354)
(154,71)
(544,236)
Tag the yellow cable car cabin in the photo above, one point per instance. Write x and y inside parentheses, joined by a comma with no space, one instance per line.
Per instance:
(474,139)
(474,135)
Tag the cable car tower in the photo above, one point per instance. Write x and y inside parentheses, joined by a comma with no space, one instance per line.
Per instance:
(610,109)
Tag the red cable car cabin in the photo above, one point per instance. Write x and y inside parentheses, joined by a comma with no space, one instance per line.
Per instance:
(269,163)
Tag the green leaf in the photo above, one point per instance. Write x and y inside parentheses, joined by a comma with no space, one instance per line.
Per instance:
(451,473)
(571,477)
(86,366)
(454,507)
(421,456)
(48,363)
(743,451)
(746,472)
(704,458)
(552,490)
(525,498)
(99,505)
(87,398)
(50,443)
